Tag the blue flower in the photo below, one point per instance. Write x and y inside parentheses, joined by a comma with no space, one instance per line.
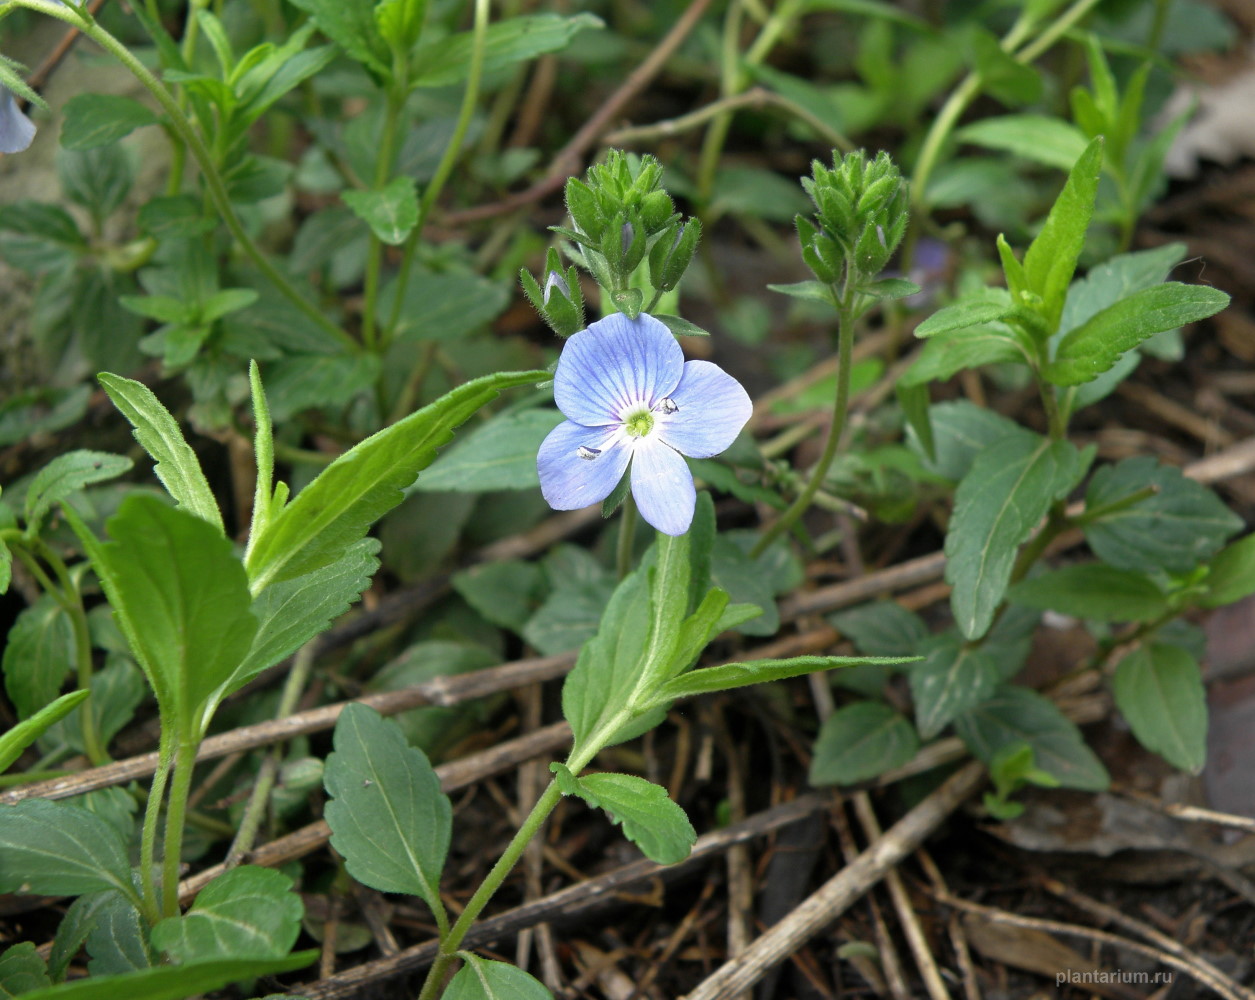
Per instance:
(630,398)
(16,130)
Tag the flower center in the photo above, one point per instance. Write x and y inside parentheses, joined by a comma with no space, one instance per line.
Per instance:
(639,424)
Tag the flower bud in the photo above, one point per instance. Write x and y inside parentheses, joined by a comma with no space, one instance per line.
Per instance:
(671,255)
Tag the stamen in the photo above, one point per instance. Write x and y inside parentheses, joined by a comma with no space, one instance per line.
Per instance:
(667,405)
(586,453)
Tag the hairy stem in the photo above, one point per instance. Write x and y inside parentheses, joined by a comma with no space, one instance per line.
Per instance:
(176,816)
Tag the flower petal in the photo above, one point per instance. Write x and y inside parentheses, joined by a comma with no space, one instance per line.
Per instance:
(616,365)
(711,409)
(662,486)
(568,481)
(16,130)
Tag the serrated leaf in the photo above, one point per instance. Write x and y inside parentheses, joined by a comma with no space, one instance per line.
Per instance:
(1117,278)
(1050,260)
(499,455)
(67,474)
(19,737)
(93,120)
(181,598)
(1016,714)
(1159,691)
(351,25)
(173,982)
(961,431)
(953,677)
(247,912)
(364,483)
(1094,592)
(390,211)
(58,849)
(1094,346)
(445,306)
(976,311)
(810,291)
(116,691)
(1182,524)
(891,288)
(1039,138)
(1231,574)
(998,504)
(157,432)
(22,970)
(734,675)
(859,742)
(649,817)
(482,979)
(292,612)
(745,582)
(388,816)
(947,353)
(80,918)
(38,655)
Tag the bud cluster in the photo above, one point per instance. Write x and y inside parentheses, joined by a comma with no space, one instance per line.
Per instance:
(862,213)
(620,218)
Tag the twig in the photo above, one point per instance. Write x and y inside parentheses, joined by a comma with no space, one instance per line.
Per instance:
(817,911)
(1216,981)
(567,904)
(924,960)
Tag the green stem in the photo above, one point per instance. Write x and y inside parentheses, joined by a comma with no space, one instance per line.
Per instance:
(845,350)
(395,104)
(213,180)
(627,537)
(470,97)
(148,837)
(176,816)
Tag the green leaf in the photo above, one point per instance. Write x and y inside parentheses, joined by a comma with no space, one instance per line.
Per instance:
(97,179)
(1096,345)
(1051,259)
(608,665)
(481,979)
(173,982)
(98,119)
(247,912)
(1006,78)
(810,291)
(968,312)
(388,817)
(973,346)
(1181,525)
(292,612)
(118,941)
(498,455)
(226,301)
(22,970)
(182,601)
(1117,278)
(351,25)
(157,432)
(1231,574)
(745,582)
(1015,715)
(326,382)
(19,737)
(506,592)
(679,326)
(1039,138)
(1159,691)
(38,655)
(859,742)
(116,691)
(1094,592)
(391,211)
(650,819)
(67,474)
(953,677)
(961,431)
(734,675)
(57,849)
(513,40)
(445,307)
(1008,490)
(81,918)
(882,628)
(891,288)
(364,483)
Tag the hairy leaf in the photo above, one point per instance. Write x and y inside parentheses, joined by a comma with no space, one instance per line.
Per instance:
(650,819)
(1159,691)
(1093,591)
(247,912)
(67,474)
(482,979)
(860,741)
(58,849)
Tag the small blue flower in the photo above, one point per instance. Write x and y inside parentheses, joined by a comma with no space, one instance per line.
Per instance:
(16,130)
(630,398)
